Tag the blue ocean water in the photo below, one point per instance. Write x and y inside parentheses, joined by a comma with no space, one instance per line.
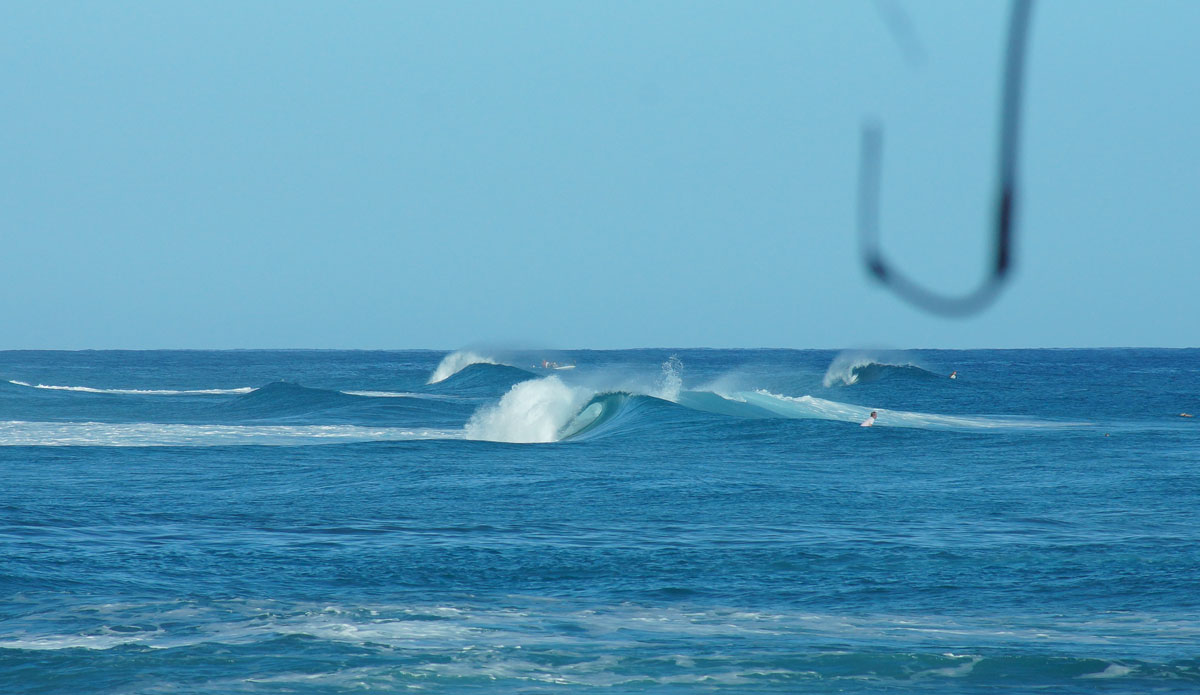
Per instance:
(646,521)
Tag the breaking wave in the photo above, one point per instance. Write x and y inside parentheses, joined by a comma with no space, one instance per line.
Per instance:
(455,362)
(548,410)
(531,412)
(848,369)
(516,409)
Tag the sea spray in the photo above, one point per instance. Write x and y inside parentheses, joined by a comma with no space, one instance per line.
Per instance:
(670,382)
(532,411)
(455,362)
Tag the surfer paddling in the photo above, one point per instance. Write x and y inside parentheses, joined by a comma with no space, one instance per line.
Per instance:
(869,421)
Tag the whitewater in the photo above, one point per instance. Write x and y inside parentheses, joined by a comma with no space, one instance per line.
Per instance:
(657,520)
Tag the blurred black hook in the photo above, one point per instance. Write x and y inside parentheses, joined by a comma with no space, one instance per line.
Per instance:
(868,191)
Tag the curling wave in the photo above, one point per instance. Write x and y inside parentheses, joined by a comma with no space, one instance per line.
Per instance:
(482,379)
(455,362)
(531,412)
(848,369)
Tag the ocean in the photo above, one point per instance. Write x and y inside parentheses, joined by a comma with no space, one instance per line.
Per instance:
(634,521)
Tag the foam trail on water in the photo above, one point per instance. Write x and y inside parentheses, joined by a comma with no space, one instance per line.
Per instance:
(139,392)
(808,407)
(531,412)
(141,434)
(455,362)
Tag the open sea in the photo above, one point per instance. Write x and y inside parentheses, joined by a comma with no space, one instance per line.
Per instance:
(645,521)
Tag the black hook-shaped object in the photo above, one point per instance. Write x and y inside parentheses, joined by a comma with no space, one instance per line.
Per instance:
(868,192)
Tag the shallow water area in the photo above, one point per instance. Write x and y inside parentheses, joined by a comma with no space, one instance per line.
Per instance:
(667,521)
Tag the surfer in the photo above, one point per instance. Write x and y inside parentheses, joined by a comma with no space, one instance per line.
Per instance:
(869,421)
(954,374)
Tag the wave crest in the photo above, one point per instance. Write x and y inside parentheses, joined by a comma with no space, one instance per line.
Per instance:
(535,411)
(455,362)
(848,369)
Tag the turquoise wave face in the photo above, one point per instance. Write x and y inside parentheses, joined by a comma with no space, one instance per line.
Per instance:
(648,521)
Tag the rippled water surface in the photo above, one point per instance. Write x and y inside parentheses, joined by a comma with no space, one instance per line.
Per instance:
(658,521)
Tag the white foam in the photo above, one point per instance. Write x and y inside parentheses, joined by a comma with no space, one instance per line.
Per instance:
(961,671)
(398,394)
(140,434)
(140,392)
(1113,671)
(455,362)
(611,644)
(532,411)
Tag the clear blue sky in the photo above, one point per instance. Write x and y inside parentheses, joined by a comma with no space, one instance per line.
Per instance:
(583,174)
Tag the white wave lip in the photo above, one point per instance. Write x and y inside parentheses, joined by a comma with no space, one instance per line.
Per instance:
(531,412)
(145,434)
(140,392)
(455,362)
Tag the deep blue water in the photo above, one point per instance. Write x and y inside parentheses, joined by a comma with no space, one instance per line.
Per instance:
(657,521)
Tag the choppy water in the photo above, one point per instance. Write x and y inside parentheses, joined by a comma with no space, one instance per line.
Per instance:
(648,521)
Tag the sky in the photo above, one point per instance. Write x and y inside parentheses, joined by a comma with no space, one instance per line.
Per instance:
(389,175)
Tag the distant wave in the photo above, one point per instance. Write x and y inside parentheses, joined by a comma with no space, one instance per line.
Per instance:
(480,380)
(145,434)
(848,369)
(140,392)
(455,362)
